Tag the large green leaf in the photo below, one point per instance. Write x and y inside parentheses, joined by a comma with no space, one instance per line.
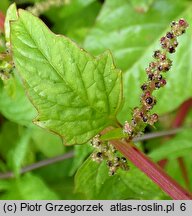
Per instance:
(75,94)
(93,180)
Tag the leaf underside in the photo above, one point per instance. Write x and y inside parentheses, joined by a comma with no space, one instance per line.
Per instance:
(76,95)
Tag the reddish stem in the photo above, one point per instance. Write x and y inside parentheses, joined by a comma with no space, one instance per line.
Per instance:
(152,170)
(2,20)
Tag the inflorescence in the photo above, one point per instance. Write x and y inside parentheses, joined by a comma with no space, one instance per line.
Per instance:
(160,65)
(105,151)
(141,115)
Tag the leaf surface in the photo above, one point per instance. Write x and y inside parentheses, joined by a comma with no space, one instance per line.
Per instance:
(93,180)
(14,104)
(76,94)
(66,18)
(29,187)
(178,146)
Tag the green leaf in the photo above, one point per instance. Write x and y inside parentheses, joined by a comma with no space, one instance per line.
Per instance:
(3,166)
(9,131)
(81,153)
(71,25)
(14,104)
(174,170)
(176,147)
(29,187)
(18,154)
(15,148)
(10,16)
(65,189)
(67,10)
(4,185)
(75,94)
(93,180)
(174,167)
(56,171)
(47,143)
(65,19)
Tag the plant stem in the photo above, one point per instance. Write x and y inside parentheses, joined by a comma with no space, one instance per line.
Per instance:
(152,170)
(158,134)
(39,164)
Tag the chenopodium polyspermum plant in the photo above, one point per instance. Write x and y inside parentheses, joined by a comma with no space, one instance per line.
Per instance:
(76,94)
(142,115)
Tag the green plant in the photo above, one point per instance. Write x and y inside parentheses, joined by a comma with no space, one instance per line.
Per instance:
(77,96)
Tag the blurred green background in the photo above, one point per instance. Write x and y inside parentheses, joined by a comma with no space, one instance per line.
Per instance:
(131,29)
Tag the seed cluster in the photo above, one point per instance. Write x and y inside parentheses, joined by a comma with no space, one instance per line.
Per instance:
(105,151)
(160,65)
